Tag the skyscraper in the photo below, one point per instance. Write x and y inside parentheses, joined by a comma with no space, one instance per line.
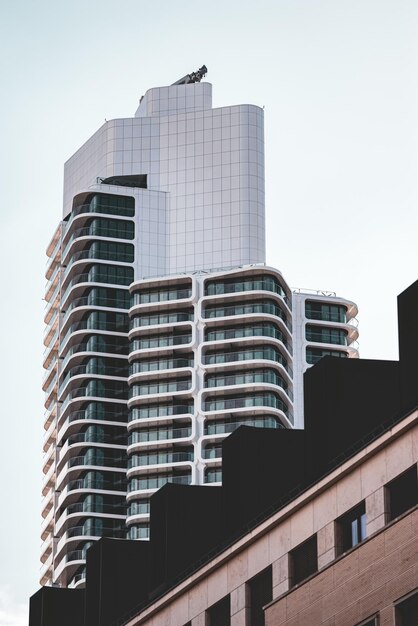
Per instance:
(164,217)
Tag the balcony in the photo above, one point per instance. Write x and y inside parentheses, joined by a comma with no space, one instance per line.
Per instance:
(253,353)
(160,411)
(159,319)
(100,227)
(155,387)
(93,368)
(163,363)
(159,458)
(150,435)
(256,307)
(225,427)
(267,376)
(263,329)
(151,483)
(99,344)
(101,274)
(160,341)
(250,283)
(156,296)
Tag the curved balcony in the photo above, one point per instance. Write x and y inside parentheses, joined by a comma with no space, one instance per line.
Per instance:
(260,400)
(101,251)
(138,462)
(94,483)
(98,297)
(322,334)
(97,345)
(251,353)
(95,389)
(325,312)
(78,581)
(53,251)
(159,387)
(155,342)
(138,531)
(213,475)
(238,284)
(162,413)
(159,319)
(103,204)
(262,306)
(313,355)
(258,376)
(92,462)
(93,437)
(151,366)
(89,531)
(141,507)
(212,452)
(93,367)
(260,329)
(96,413)
(51,351)
(99,228)
(46,571)
(154,436)
(158,296)
(71,562)
(115,275)
(146,483)
(88,507)
(96,321)
(224,427)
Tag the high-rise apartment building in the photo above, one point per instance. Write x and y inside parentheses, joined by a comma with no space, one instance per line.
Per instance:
(165,328)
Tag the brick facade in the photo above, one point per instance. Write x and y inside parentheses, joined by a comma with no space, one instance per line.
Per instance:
(366,581)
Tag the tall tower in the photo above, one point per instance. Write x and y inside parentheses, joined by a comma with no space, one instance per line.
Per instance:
(165,328)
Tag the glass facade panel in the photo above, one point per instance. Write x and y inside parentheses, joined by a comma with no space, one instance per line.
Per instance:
(262,306)
(249,330)
(313,355)
(249,283)
(320,334)
(326,312)
(234,402)
(160,410)
(267,353)
(161,295)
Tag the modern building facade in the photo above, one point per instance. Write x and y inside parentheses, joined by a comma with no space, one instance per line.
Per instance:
(319,529)
(165,328)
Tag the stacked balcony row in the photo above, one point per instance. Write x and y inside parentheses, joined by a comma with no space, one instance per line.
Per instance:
(206,355)
(91,279)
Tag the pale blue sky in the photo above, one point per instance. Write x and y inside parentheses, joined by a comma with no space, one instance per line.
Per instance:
(339,82)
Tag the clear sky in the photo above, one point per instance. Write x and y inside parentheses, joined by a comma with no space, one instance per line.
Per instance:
(339,83)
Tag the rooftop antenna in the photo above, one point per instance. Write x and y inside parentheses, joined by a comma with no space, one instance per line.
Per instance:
(194,77)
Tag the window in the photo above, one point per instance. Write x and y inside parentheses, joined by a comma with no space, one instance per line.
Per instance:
(406,611)
(313,355)
(303,561)
(220,613)
(321,334)
(402,493)
(351,528)
(326,312)
(370,621)
(261,593)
